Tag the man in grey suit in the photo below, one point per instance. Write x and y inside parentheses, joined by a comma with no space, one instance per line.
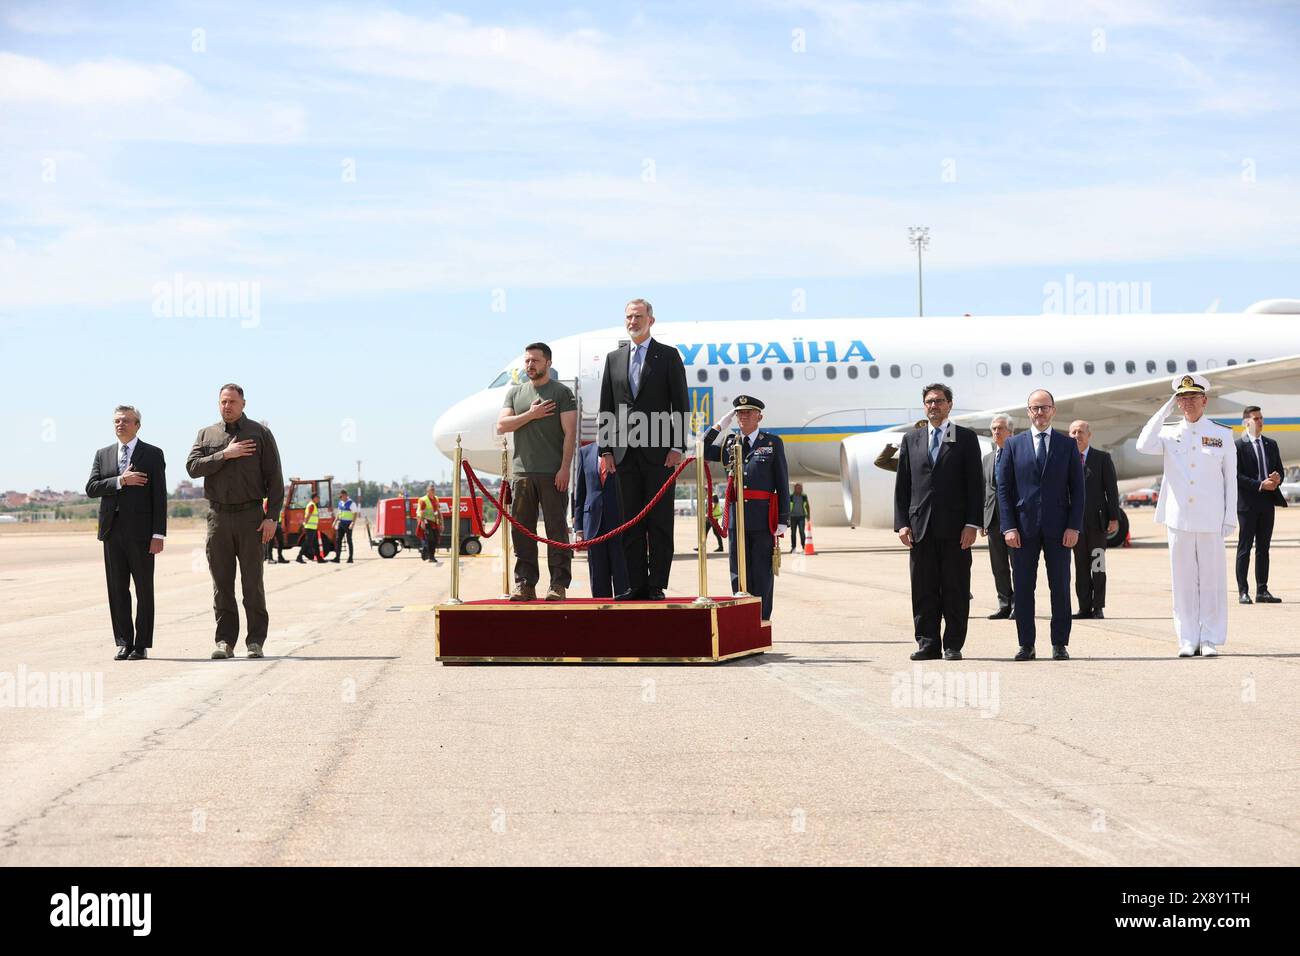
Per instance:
(999,555)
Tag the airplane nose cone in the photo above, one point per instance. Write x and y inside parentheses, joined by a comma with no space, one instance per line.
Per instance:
(474,420)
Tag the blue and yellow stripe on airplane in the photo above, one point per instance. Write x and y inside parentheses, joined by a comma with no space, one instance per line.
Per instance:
(835,433)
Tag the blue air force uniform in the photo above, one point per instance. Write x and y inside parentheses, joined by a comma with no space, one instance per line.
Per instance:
(767,500)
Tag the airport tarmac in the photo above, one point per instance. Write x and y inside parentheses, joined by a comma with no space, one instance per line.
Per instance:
(350,744)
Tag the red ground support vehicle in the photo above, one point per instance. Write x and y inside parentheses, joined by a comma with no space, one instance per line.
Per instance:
(396,526)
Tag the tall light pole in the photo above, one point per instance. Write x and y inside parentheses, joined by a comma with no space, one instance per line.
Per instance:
(919,236)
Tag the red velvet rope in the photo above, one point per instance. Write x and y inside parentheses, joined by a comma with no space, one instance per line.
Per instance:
(570,545)
(505,495)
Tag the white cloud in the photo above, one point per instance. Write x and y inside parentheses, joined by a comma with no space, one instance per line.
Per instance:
(26,79)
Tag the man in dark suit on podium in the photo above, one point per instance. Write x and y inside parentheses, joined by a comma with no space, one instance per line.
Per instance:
(938,509)
(1040,501)
(1259,473)
(596,511)
(645,414)
(129,477)
(1100,521)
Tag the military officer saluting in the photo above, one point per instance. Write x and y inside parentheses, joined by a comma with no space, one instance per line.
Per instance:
(767,494)
(1198,505)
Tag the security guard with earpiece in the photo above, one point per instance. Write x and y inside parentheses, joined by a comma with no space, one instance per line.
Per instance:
(767,494)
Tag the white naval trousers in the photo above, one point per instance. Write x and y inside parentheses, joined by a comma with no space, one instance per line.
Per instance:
(1200,579)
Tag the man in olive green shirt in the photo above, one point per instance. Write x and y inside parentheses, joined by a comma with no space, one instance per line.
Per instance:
(240,466)
(543,416)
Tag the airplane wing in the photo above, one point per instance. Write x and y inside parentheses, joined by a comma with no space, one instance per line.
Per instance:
(1118,413)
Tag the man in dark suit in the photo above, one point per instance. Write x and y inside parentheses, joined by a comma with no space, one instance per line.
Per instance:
(1100,521)
(1259,473)
(645,415)
(999,555)
(129,477)
(596,511)
(938,507)
(1040,501)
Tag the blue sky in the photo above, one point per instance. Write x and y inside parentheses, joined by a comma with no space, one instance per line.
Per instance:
(382,175)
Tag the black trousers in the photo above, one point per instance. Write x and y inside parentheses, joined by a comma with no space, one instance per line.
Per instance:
(648,546)
(127,559)
(276,544)
(940,569)
(758,565)
(1000,559)
(1090,569)
(1255,528)
(342,531)
(797,528)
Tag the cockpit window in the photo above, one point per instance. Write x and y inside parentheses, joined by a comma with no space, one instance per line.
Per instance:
(509,377)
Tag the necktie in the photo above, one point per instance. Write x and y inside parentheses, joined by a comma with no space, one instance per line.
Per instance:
(121,465)
(1040,456)
(603,472)
(1259,454)
(1083,460)
(997,458)
(635,376)
(934,444)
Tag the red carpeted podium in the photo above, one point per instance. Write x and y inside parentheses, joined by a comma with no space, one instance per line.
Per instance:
(600,631)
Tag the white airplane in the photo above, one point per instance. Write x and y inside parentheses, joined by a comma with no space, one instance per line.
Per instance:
(838,390)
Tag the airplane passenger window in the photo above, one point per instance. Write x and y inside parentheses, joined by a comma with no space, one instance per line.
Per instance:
(830,371)
(1110,368)
(947,370)
(1232,361)
(1151,366)
(1171,366)
(1191,365)
(895,371)
(853,371)
(1130,366)
(916,371)
(981,369)
(1026,368)
(788,372)
(1212,363)
(723,375)
(1067,368)
(702,375)
(1047,368)
(1006,368)
(809,372)
(767,375)
(1089,368)
(744,375)
(873,371)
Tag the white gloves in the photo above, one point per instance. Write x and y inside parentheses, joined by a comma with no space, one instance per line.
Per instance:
(781,530)
(725,421)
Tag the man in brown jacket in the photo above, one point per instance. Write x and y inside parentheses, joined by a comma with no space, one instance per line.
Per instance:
(240,466)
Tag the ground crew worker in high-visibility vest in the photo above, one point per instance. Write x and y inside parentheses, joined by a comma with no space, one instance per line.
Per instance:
(429,514)
(716,524)
(344,515)
(310,543)
(276,544)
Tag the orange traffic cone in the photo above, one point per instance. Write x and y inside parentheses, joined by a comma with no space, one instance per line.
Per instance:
(808,542)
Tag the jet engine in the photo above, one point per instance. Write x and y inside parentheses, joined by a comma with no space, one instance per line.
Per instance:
(868,490)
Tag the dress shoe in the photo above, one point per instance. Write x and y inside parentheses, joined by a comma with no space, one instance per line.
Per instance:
(1186,650)
(951,655)
(255,650)
(1059,653)
(349,560)
(301,560)
(523,592)
(1099,615)
(632,594)
(221,651)
(656,594)
(1263,597)
(122,653)
(281,560)
(1001,614)
(926,655)
(718,549)
(1082,616)
(555,593)
(335,561)
(1208,650)
(139,654)
(1244,599)
(1025,654)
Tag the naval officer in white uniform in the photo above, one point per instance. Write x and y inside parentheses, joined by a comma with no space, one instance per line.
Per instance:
(1198,505)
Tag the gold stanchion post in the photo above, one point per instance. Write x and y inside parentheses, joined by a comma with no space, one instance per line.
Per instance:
(738,549)
(505,525)
(455,526)
(702,525)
